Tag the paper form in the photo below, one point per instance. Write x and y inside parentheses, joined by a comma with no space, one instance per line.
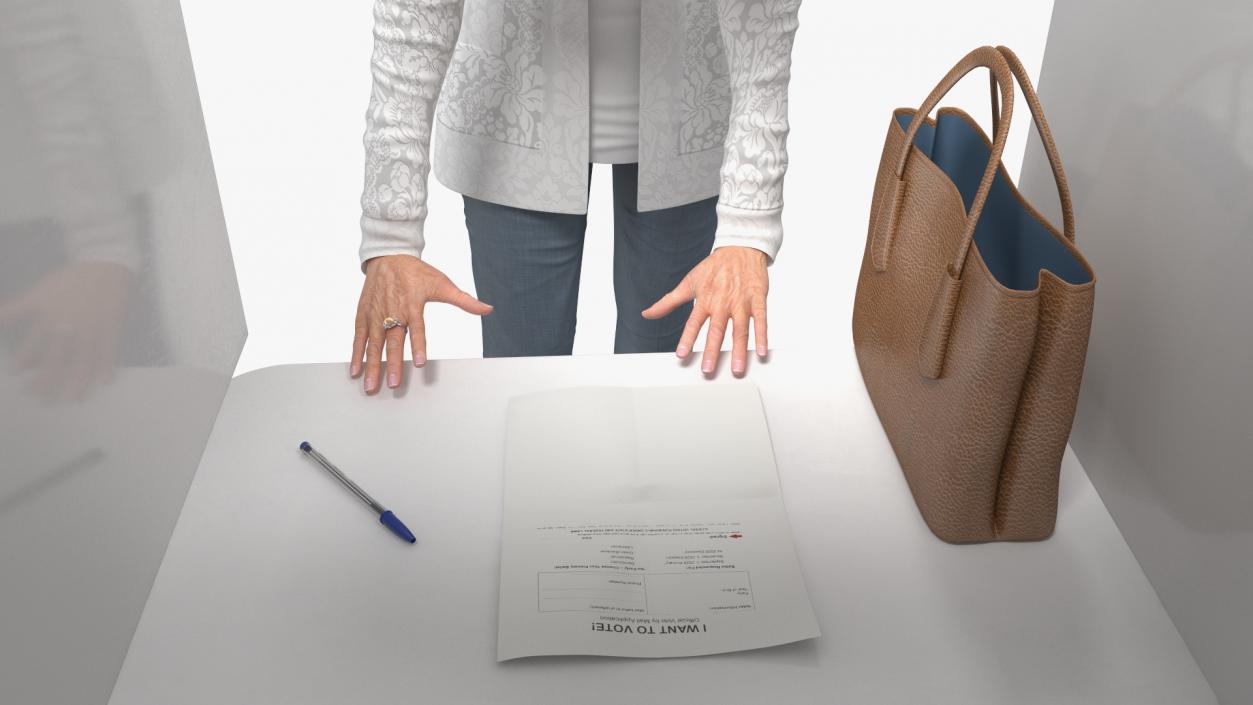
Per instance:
(645,522)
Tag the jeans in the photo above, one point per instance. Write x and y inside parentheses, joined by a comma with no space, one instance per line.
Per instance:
(526,264)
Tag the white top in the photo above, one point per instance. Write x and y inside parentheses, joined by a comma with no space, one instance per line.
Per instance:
(614,42)
(277,582)
(730,132)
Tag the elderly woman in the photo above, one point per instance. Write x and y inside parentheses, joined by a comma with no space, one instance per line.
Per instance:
(687,99)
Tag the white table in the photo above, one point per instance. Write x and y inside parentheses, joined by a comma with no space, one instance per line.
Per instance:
(278,587)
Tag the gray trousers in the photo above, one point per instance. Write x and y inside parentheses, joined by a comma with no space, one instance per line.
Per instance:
(526,265)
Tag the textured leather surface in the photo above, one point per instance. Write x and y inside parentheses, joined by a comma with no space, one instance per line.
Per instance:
(975,383)
(959,148)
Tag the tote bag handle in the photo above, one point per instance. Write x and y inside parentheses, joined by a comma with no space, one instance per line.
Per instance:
(1046,135)
(892,200)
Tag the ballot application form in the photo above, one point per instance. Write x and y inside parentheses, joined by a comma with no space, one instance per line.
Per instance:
(645,522)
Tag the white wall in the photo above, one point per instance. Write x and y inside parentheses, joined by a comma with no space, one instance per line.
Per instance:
(109,220)
(284,87)
(1158,146)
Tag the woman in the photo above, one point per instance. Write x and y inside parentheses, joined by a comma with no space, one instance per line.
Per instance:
(686,98)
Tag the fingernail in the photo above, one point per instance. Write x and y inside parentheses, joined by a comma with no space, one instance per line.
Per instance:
(354,369)
(371,383)
(393,379)
(682,351)
(707,366)
(738,367)
(419,359)
(761,351)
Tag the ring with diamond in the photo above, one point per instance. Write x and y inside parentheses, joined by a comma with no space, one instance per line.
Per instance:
(391,322)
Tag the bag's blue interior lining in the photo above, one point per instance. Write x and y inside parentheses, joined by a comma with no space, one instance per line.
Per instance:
(1014,244)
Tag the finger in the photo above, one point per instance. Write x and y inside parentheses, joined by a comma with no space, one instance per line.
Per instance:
(11,310)
(360,335)
(54,363)
(34,342)
(759,327)
(106,361)
(678,296)
(739,343)
(450,294)
(81,369)
(690,330)
(417,338)
(373,357)
(713,341)
(19,307)
(395,355)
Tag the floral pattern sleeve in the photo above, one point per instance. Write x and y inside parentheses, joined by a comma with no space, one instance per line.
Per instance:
(758,37)
(413,45)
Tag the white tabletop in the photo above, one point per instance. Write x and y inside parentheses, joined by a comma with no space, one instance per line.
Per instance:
(278,587)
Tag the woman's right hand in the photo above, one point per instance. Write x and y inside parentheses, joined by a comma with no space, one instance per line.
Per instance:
(399,286)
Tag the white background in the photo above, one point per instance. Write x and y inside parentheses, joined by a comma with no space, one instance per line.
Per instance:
(284,87)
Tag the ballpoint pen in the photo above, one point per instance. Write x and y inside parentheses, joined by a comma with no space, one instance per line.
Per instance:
(386,518)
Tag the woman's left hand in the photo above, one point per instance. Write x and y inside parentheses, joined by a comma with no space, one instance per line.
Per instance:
(730,285)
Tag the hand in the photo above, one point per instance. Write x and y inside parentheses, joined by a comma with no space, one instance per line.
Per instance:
(730,284)
(399,286)
(71,326)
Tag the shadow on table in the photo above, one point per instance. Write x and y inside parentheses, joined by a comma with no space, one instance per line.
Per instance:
(799,653)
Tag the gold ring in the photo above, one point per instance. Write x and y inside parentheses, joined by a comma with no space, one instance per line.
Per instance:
(390,322)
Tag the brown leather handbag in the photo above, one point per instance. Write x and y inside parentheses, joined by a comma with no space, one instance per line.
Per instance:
(972,316)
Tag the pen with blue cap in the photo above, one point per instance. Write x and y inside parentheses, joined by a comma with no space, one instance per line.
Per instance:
(386,518)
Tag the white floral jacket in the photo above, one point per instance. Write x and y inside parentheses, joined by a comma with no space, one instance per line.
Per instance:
(503,84)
